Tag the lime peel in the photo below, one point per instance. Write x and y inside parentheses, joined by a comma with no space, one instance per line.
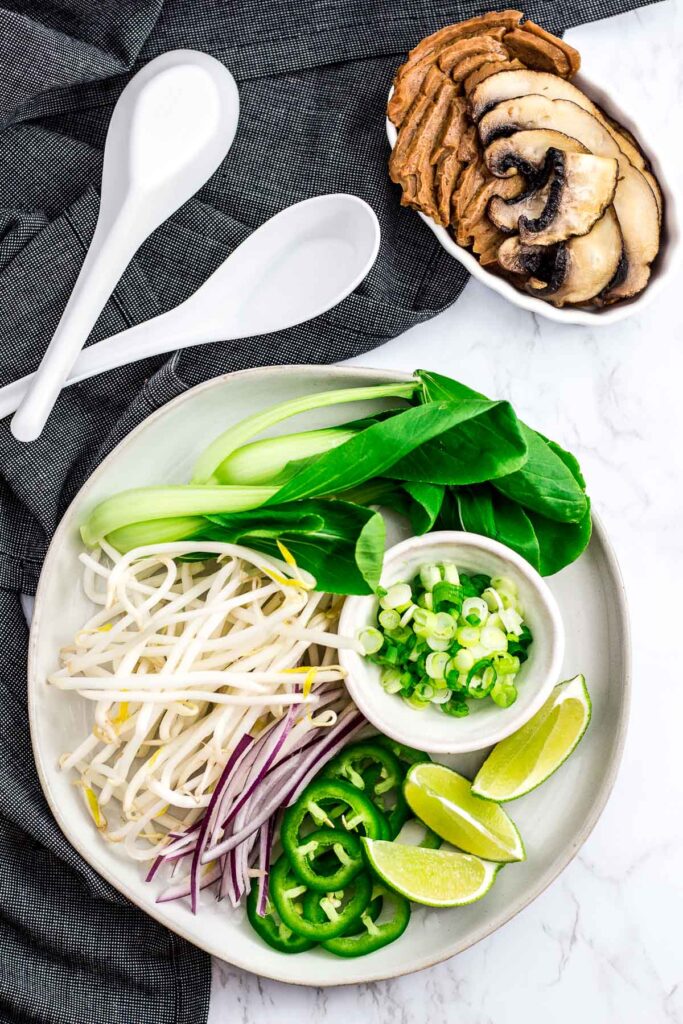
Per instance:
(444,801)
(434,878)
(522,762)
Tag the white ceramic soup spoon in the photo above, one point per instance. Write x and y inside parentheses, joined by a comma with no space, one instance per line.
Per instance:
(297,265)
(171,127)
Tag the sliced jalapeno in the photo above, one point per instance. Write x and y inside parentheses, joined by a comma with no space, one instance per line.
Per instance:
(335,911)
(375,771)
(272,929)
(370,933)
(407,755)
(326,859)
(335,805)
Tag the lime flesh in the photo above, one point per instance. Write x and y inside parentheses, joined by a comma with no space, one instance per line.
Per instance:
(436,878)
(524,760)
(443,800)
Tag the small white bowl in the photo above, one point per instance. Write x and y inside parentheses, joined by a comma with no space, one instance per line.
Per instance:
(664,268)
(486,724)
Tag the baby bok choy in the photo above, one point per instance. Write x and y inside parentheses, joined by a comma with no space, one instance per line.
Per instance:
(443,455)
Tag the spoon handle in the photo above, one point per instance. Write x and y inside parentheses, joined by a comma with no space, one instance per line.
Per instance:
(154,337)
(107,258)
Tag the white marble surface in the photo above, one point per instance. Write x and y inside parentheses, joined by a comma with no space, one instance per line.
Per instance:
(603,944)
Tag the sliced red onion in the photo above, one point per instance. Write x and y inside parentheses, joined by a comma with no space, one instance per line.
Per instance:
(255,784)
(266,836)
(203,833)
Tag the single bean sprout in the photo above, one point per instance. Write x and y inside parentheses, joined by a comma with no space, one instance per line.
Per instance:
(182,660)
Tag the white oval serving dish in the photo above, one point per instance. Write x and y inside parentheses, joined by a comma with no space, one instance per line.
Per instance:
(486,723)
(555,819)
(663,270)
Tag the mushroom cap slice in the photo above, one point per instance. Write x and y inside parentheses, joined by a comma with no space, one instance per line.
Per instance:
(583,267)
(526,152)
(634,201)
(505,213)
(524,260)
(581,188)
(507,85)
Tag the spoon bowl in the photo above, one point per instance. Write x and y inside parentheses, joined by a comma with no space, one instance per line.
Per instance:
(296,266)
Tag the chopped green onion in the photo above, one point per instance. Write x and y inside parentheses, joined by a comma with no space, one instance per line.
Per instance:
(436,664)
(503,694)
(389,618)
(391,680)
(450,573)
(512,621)
(437,644)
(492,598)
(448,638)
(371,640)
(398,596)
(430,575)
(463,660)
(446,593)
(444,626)
(494,639)
(467,636)
(475,611)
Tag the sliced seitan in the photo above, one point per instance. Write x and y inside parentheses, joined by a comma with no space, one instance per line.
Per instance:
(406,140)
(464,48)
(489,69)
(455,127)
(542,51)
(469,65)
(410,75)
(426,141)
(445,180)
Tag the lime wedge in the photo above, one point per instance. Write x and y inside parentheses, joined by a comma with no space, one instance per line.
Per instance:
(443,800)
(437,878)
(524,760)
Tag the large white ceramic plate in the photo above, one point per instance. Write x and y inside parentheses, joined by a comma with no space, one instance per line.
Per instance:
(664,269)
(555,820)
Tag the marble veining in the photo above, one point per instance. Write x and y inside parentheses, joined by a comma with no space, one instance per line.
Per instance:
(602,944)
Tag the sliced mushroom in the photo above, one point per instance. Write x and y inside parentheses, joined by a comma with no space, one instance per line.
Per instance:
(410,75)
(526,152)
(505,213)
(477,208)
(581,188)
(628,145)
(539,49)
(634,200)
(488,69)
(512,84)
(522,260)
(582,267)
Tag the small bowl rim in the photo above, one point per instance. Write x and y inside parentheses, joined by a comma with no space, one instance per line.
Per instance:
(664,266)
(410,734)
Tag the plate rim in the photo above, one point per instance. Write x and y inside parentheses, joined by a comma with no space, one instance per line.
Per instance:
(362,977)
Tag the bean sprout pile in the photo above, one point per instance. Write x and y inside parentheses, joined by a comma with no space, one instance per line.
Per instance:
(188,662)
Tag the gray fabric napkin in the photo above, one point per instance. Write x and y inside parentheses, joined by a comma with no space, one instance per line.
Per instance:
(313,80)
